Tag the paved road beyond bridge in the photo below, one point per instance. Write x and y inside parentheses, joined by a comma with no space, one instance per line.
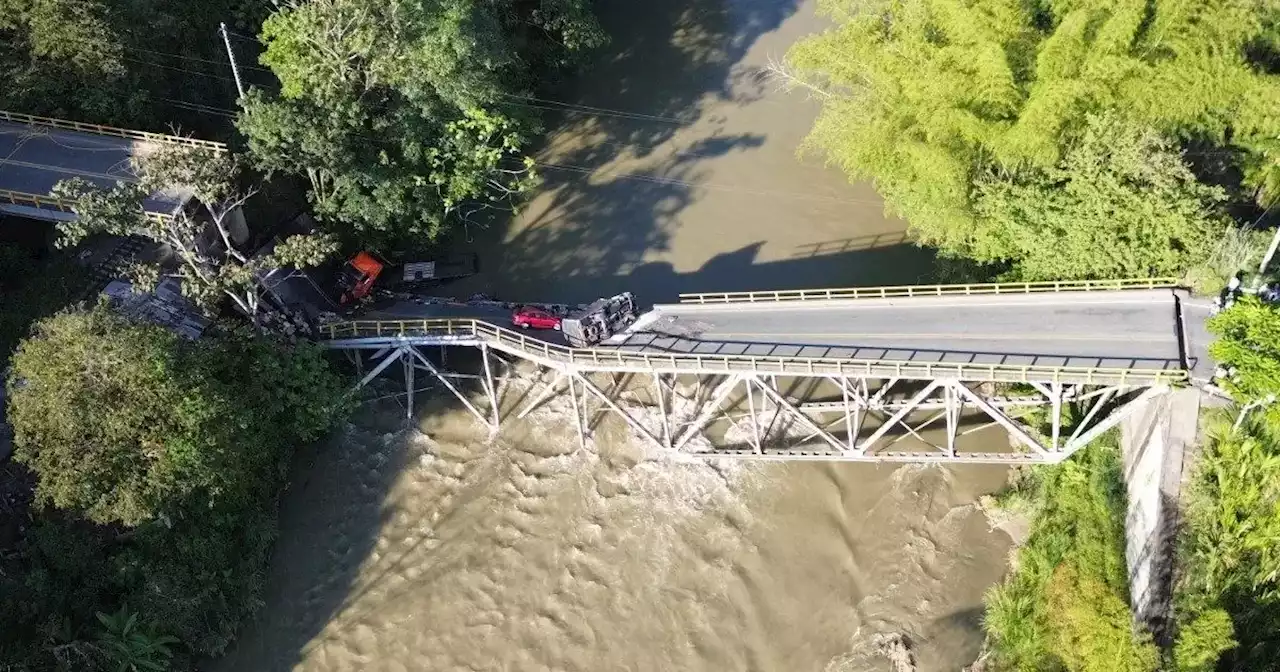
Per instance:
(37,152)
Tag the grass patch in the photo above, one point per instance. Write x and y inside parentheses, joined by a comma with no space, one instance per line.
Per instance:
(1065,604)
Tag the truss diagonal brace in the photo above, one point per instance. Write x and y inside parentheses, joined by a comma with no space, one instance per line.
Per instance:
(546,394)
(444,379)
(635,424)
(382,366)
(1115,418)
(786,405)
(899,416)
(717,398)
(996,414)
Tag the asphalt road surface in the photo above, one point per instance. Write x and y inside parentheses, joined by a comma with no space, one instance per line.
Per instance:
(1135,329)
(35,158)
(1126,329)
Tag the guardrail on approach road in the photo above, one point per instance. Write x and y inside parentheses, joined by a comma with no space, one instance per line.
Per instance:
(915,291)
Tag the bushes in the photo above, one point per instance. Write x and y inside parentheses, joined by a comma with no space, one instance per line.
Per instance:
(1092,630)
(125,422)
(1120,204)
(1065,604)
(160,460)
(1249,341)
(973,120)
(1229,554)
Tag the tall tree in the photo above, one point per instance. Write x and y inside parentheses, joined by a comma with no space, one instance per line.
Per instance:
(210,270)
(1120,203)
(178,450)
(145,64)
(399,112)
(925,96)
(123,421)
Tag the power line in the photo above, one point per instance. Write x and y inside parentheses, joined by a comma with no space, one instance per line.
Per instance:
(243,36)
(200,107)
(194,58)
(596,110)
(177,69)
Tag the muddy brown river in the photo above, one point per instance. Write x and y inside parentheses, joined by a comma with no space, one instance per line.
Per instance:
(438,548)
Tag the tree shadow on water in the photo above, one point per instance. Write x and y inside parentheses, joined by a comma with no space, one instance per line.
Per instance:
(334,546)
(627,144)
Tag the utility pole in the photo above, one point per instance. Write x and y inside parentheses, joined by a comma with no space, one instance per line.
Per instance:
(231,55)
(1271,251)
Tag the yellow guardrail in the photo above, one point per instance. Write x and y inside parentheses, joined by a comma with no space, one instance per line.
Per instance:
(61,205)
(33,120)
(620,359)
(36,200)
(909,291)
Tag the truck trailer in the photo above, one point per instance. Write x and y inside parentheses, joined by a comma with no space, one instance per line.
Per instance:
(599,321)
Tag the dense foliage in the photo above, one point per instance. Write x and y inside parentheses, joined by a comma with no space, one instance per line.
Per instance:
(400,113)
(1120,203)
(1248,343)
(145,64)
(928,98)
(159,460)
(1229,591)
(1228,598)
(1065,605)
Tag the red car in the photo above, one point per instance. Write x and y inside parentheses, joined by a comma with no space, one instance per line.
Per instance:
(528,317)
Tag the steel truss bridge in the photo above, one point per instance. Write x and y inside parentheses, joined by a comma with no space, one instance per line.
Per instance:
(891,374)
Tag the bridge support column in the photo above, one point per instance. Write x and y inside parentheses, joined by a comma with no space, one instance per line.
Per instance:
(1154,437)
(408,386)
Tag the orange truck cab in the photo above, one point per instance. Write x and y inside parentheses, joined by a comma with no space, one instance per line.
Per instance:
(358,276)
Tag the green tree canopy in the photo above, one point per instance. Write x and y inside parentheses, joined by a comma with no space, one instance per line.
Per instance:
(923,97)
(1249,341)
(211,270)
(126,422)
(1120,203)
(121,62)
(399,112)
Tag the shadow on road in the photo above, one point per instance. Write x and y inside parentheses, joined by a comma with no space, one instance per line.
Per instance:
(657,341)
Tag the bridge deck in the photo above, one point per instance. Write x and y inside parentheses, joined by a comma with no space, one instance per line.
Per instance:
(1120,329)
(1137,331)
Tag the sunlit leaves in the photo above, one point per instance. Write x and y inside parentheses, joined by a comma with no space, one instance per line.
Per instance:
(1120,203)
(400,113)
(926,97)
(1249,342)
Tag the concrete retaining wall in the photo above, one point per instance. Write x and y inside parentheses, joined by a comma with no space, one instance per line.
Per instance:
(1154,438)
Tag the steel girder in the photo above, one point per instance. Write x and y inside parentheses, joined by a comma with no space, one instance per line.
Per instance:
(852,419)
